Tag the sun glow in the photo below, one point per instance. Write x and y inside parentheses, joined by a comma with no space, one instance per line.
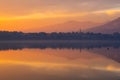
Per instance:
(41,16)
(108,12)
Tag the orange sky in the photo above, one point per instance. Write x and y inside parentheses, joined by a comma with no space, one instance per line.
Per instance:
(34,15)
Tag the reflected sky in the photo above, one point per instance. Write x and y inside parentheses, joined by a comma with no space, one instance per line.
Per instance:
(57,64)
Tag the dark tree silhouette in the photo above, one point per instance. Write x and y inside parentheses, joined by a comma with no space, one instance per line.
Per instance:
(5,35)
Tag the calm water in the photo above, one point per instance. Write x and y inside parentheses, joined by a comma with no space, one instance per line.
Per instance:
(30,62)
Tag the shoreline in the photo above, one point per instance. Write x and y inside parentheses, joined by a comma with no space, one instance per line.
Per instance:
(60,41)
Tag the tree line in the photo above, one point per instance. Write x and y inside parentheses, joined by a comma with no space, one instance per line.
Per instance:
(6,35)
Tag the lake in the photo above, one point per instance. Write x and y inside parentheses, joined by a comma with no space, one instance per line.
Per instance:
(60,60)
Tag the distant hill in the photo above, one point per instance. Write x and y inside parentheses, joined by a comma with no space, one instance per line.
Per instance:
(110,27)
(69,26)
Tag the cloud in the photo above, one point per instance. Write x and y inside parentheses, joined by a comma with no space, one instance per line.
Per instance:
(23,7)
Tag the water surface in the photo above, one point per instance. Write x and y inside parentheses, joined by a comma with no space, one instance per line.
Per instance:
(33,62)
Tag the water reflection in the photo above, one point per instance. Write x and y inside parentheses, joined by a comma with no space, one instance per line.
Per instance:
(6,45)
(55,72)
(30,61)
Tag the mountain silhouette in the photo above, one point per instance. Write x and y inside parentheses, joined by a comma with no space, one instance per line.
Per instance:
(69,26)
(109,27)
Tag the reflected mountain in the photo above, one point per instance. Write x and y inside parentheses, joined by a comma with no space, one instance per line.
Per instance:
(112,53)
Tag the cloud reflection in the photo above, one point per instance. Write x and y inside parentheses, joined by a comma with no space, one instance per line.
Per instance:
(51,71)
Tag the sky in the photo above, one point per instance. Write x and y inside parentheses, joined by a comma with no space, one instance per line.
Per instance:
(34,15)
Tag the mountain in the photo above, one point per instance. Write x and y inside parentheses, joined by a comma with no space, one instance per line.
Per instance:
(109,27)
(68,26)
